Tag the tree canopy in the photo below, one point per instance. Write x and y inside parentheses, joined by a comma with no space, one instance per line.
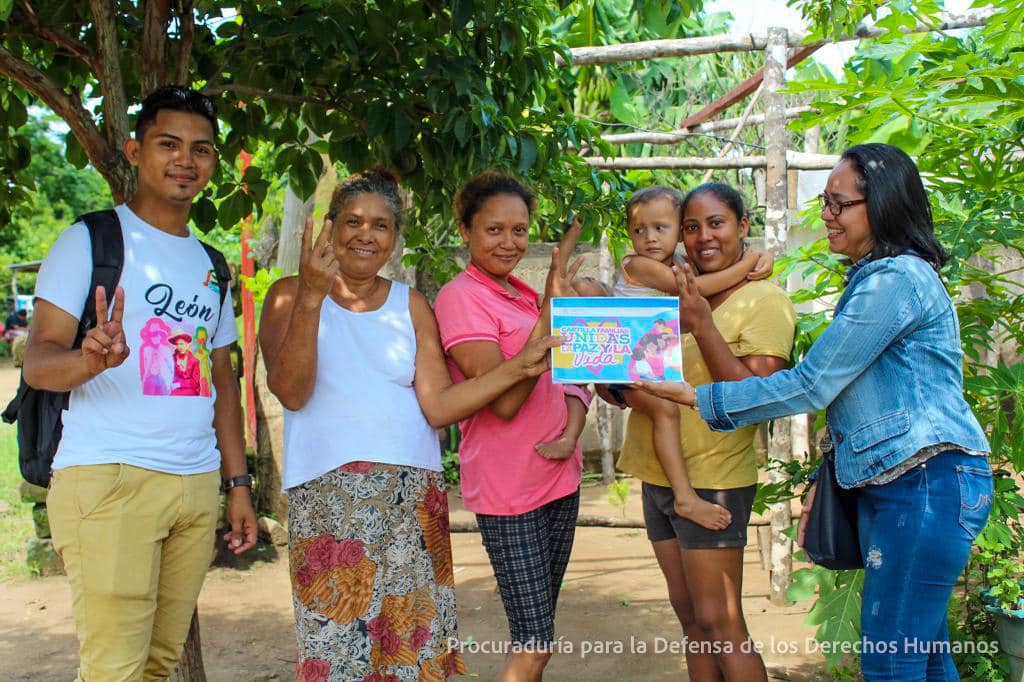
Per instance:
(437,90)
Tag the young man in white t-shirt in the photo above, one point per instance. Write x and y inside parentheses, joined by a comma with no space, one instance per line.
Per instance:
(154,409)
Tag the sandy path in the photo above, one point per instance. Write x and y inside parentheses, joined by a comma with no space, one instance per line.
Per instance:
(613,592)
(613,604)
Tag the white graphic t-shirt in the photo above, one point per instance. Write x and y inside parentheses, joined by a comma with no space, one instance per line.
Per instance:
(155,410)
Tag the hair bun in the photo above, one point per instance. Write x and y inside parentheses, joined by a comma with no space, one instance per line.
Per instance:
(382,172)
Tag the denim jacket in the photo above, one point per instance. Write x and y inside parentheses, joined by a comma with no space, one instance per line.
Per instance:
(888,369)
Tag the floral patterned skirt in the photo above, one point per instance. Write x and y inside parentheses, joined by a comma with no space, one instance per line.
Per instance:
(371,569)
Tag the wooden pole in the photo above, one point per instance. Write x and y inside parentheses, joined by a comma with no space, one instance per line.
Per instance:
(604,410)
(740,92)
(736,133)
(248,325)
(794,160)
(748,42)
(775,235)
(677,136)
(803,425)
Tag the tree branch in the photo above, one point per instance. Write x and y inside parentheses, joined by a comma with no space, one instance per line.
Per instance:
(186,34)
(154,45)
(115,105)
(50,33)
(69,109)
(265,94)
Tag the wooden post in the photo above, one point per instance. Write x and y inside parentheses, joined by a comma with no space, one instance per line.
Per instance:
(803,425)
(776,232)
(248,326)
(604,410)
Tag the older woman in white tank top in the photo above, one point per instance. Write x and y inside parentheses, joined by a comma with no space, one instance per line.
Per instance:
(357,363)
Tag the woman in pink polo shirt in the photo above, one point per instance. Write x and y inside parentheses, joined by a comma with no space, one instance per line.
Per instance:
(526,497)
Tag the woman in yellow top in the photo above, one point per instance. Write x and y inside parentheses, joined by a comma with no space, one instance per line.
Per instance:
(752,335)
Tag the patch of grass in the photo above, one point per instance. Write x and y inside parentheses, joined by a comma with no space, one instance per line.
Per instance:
(16,519)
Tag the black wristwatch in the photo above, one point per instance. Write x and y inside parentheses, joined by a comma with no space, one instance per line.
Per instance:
(228,484)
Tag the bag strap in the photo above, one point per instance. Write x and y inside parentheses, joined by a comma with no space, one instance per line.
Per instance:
(10,413)
(107,261)
(220,268)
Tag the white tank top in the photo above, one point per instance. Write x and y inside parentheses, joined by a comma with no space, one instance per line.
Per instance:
(363,405)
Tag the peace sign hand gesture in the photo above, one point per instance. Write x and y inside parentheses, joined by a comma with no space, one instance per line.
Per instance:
(317,264)
(104,346)
(694,309)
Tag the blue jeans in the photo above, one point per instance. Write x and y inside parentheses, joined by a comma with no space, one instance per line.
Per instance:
(916,534)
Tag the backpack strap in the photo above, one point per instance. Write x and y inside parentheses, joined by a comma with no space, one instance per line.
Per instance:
(107,262)
(220,269)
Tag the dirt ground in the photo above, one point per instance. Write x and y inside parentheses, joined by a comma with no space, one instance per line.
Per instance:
(613,605)
(613,613)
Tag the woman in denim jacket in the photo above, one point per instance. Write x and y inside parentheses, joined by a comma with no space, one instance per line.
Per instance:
(888,371)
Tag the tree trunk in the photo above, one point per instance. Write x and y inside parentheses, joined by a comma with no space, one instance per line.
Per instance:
(190,667)
(292,223)
(116,170)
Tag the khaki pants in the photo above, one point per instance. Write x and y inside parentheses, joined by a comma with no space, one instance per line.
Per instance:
(136,545)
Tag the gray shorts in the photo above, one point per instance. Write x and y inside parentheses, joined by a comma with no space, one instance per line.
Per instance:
(664,524)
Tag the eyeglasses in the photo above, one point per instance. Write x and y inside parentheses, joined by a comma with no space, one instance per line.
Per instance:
(837,206)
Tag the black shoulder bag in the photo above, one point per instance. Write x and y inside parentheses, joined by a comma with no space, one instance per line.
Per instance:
(830,538)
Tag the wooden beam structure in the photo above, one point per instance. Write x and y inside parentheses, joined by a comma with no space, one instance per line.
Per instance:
(675,137)
(747,42)
(794,160)
(741,91)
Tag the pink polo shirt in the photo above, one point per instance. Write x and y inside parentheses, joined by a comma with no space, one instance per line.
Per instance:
(502,473)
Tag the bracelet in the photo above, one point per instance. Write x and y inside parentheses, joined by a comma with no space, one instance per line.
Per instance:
(244,480)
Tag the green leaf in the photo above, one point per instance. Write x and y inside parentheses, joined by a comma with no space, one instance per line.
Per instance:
(462,124)
(302,178)
(74,153)
(618,494)
(838,614)
(622,104)
(229,29)
(16,114)
(527,153)
(509,37)
(654,18)
(204,214)
(804,585)
(462,13)
(252,174)
(225,189)
(377,117)
(401,129)
(313,160)
(234,209)
(6,7)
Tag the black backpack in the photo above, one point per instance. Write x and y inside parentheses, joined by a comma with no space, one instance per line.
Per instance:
(38,412)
